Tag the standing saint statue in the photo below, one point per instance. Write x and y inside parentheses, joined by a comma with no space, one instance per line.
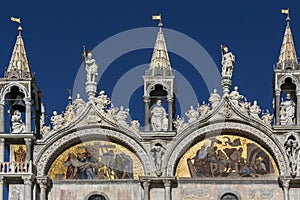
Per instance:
(91,68)
(228,60)
(17,125)
(287,111)
(159,121)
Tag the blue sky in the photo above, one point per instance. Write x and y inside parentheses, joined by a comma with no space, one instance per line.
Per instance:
(55,32)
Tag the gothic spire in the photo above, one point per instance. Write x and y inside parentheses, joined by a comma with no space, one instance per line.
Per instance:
(287,58)
(18,66)
(160,62)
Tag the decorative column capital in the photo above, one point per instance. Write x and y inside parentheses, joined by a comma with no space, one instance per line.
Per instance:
(277,92)
(146,183)
(146,99)
(2,140)
(27,180)
(167,183)
(28,141)
(43,181)
(285,182)
(27,101)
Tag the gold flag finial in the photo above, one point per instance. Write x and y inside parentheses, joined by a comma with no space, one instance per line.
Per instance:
(14,19)
(158,17)
(285,11)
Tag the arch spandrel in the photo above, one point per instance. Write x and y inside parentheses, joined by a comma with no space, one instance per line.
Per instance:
(266,140)
(48,154)
(226,156)
(96,159)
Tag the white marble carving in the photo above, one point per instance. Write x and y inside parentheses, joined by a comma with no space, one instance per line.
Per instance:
(102,101)
(204,110)
(91,68)
(135,125)
(79,105)
(292,150)
(93,118)
(122,116)
(267,118)
(235,96)
(57,121)
(17,125)
(69,115)
(228,60)
(214,99)
(179,123)
(255,110)
(157,152)
(159,121)
(287,111)
(192,114)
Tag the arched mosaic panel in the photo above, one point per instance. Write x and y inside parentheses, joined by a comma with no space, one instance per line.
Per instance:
(226,156)
(96,160)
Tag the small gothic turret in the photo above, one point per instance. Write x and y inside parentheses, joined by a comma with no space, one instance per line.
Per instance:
(286,82)
(159,87)
(287,59)
(19,91)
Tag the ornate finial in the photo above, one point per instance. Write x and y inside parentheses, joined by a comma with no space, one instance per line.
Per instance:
(70,96)
(17,20)
(287,12)
(158,17)
(83,52)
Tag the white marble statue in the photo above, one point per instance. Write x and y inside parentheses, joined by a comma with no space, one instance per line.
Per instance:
(45,130)
(157,152)
(192,114)
(292,150)
(267,118)
(254,110)
(228,60)
(57,121)
(102,100)
(178,123)
(245,105)
(79,105)
(17,125)
(159,121)
(69,114)
(204,110)
(235,96)
(287,111)
(122,115)
(135,125)
(214,99)
(91,68)
(112,112)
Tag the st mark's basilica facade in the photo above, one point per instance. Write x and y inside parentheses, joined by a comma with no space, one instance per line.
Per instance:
(223,149)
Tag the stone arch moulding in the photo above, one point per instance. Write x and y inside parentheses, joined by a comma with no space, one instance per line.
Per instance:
(150,87)
(43,159)
(96,193)
(7,88)
(266,140)
(294,80)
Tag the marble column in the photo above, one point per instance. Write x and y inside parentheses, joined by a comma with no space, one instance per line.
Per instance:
(277,107)
(2,180)
(27,187)
(167,185)
(147,113)
(285,185)
(28,143)
(170,114)
(28,115)
(298,108)
(43,183)
(2,118)
(2,147)
(146,185)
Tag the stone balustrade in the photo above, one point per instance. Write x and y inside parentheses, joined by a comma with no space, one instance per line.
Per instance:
(16,167)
